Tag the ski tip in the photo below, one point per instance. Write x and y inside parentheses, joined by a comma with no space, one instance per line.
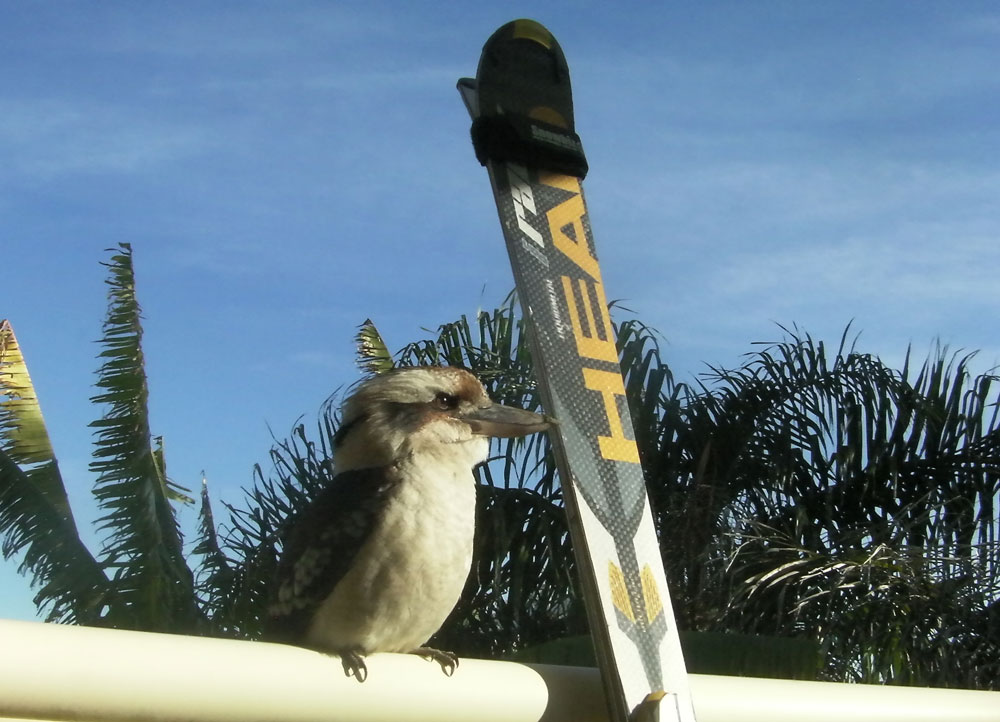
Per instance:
(527,29)
(521,102)
(511,56)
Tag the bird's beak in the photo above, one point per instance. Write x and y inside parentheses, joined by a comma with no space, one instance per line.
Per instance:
(506,421)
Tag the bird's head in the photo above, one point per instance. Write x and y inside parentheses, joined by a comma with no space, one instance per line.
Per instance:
(425,407)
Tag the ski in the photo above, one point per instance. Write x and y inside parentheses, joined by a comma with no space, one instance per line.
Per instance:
(523,132)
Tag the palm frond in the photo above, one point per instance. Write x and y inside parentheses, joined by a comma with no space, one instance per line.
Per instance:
(153,585)
(861,495)
(23,433)
(252,542)
(372,353)
(35,516)
(216,575)
(171,489)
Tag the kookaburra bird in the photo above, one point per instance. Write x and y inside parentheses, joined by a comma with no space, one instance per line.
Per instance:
(378,560)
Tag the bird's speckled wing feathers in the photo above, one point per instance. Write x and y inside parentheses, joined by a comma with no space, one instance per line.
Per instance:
(320,548)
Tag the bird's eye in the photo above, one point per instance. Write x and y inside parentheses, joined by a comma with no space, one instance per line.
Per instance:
(445,402)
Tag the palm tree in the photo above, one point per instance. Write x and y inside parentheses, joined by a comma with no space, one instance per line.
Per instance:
(864,509)
(833,499)
(139,578)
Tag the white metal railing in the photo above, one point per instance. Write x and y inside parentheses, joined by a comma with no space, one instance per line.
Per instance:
(54,672)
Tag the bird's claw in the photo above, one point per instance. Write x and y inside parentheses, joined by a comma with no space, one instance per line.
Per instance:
(354,661)
(447,660)
(354,665)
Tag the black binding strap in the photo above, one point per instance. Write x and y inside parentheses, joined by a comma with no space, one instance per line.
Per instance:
(530,142)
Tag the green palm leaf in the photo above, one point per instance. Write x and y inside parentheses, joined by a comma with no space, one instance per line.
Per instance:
(22,428)
(372,353)
(216,576)
(35,516)
(863,506)
(153,585)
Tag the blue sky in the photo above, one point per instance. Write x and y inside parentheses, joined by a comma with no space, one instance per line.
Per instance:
(285,170)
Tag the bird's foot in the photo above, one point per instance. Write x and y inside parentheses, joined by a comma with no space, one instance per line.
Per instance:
(447,660)
(354,664)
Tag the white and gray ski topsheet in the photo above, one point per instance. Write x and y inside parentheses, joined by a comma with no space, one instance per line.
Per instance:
(551,246)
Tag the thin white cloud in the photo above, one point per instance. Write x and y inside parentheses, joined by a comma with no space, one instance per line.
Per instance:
(983,26)
(914,268)
(42,139)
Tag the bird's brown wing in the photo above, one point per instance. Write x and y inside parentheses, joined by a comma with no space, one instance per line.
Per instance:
(319,548)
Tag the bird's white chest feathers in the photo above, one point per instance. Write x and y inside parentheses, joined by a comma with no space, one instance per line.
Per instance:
(410,573)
